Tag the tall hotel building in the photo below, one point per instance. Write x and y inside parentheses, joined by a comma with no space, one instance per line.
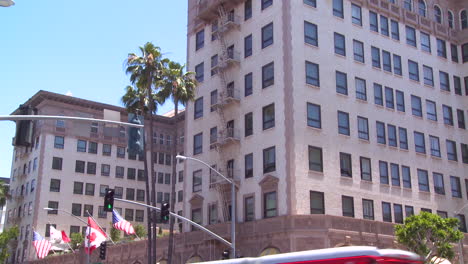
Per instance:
(71,163)
(334,117)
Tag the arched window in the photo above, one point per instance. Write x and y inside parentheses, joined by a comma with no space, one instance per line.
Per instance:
(463,19)
(437,14)
(422,8)
(450,18)
(408,5)
(269,251)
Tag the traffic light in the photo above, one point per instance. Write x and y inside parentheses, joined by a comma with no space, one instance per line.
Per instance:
(165,214)
(109,200)
(135,136)
(24,128)
(102,250)
(225,254)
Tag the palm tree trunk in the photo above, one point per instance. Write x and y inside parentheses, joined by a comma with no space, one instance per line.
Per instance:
(173,184)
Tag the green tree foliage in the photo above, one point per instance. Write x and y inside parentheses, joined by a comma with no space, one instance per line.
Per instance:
(3,193)
(140,231)
(115,234)
(429,235)
(5,237)
(76,240)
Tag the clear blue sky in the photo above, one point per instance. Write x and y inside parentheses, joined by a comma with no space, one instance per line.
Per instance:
(79,46)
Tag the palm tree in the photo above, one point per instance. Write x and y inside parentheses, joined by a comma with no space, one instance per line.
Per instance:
(4,195)
(180,87)
(145,73)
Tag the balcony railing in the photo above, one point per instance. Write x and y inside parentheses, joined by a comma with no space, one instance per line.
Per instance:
(224,138)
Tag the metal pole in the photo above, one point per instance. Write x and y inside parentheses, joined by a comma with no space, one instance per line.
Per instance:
(181,218)
(233,201)
(46,117)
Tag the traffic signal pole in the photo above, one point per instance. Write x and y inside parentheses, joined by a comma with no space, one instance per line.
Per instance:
(202,228)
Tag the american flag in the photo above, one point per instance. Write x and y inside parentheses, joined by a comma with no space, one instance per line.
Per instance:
(121,224)
(41,245)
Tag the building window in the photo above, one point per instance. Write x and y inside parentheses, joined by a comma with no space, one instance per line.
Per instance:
(395,28)
(130,194)
(128,214)
(398,211)
(89,189)
(248,46)
(76,209)
(386,212)
(419,142)
(340,46)
(444,81)
(198,143)
(199,72)
(105,169)
(392,137)
(314,115)
(54,185)
(438,183)
(131,172)
(315,159)
(454,52)
(389,100)
(428,75)
(270,205)
(248,85)
(91,168)
(413,70)
(361,91)
(384,26)
(81,145)
(358,50)
(53,205)
(425,42)
(347,204)
(378,94)
(448,115)
(310,33)
(268,75)
(368,209)
(312,73)
(409,210)
(343,123)
(267,35)
(462,222)
(198,108)
(410,36)
(387,61)
(57,163)
(400,100)
(431,110)
(80,166)
(373,21)
(383,171)
(248,124)
(120,152)
(268,115)
(249,209)
(92,147)
(366,171)
(416,105)
(197,181)
(118,192)
(338,8)
(341,83)
(457,85)
(266,3)
(441,48)
(119,172)
(356,14)
(380,128)
(248,160)
(395,174)
(269,160)
(88,210)
(375,52)
(59,142)
(450,18)
(465,53)
(406,175)
(464,151)
(451,150)
(317,202)
(363,128)
(181,176)
(200,39)
(312,3)
(197,217)
(422,8)
(140,195)
(212,214)
(247,9)
(461,119)
(435,146)
(345,165)
(397,65)
(106,149)
(423,180)
(456,187)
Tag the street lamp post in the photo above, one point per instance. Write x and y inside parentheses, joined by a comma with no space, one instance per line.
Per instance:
(79,219)
(233,201)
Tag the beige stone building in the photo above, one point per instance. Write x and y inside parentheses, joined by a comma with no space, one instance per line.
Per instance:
(348,108)
(71,163)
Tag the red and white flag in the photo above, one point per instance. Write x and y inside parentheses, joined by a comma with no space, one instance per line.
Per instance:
(41,245)
(121,224)
(65,238)
(94,236)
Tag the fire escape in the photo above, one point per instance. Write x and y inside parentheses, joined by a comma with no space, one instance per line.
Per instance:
(225,135)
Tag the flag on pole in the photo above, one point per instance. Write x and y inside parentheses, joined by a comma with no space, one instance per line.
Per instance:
(121,224)
(65,238)
(41,245)
(55,235)
(94,236)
